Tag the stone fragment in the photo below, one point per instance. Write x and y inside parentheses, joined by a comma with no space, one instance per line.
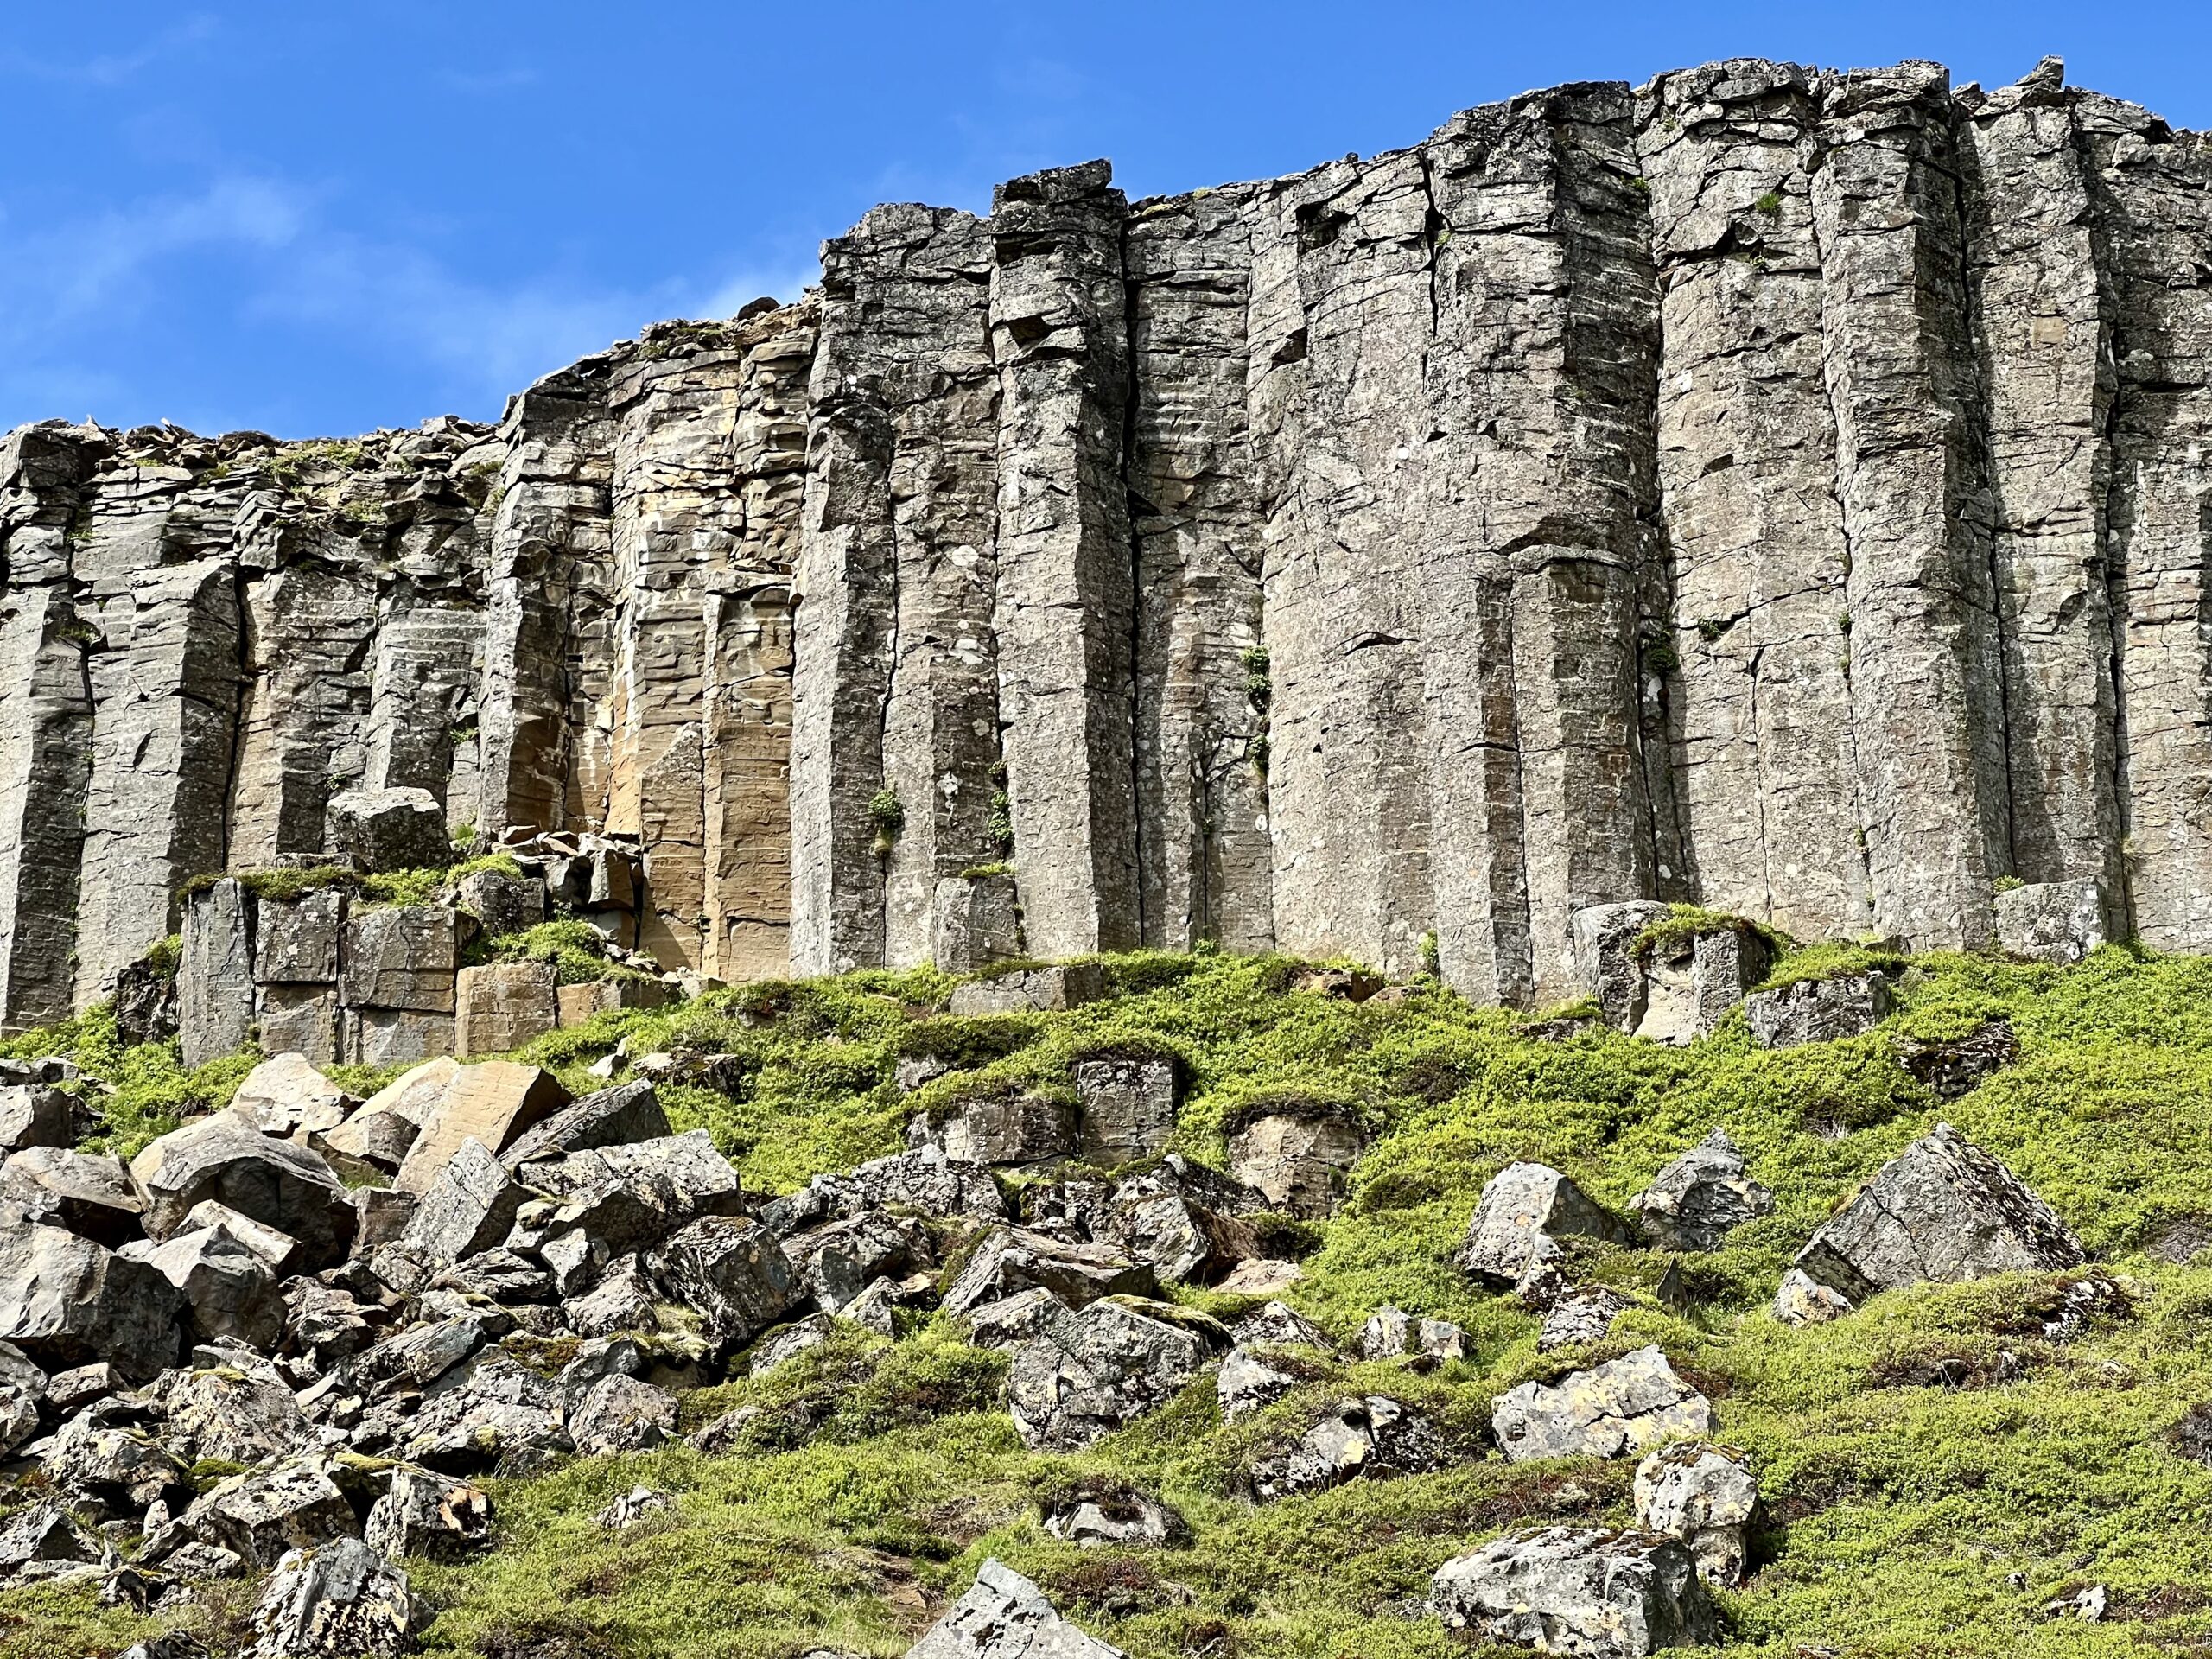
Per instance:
(1012,1320)
(1281,1326)
(1184,1242)
(729,1271)
(1373,1438)
(611,1117)
(1525,1209)
(1038,990)
(622,1300)
(22,1387)
(488,1413)
(1586,1591)
(1126,1106)
(1585,1314)
(1003,1616)
(286,1096)
(261,1514)
(1261,1278)
(1701,1197)
(402,959)
(32,1114)
(68,1391)
(976,921)
(1010,1260)
(1623,1406)
(379,830)
(1006,1128)
(1604,948)
(229,1289)
(1941,1210)
(638,1504)
(621,1414)
(1247,1383)
(231,1407)
(1817,1010)
(88,1193)
(788,1342)
(66,1301)
(493,1103)
(1294,1154)
(45,1533)
(2058,922)
(502,1005)
(277,1182)
(214,973)
(923,1180)
(280,1250)
(842,1259)
(341,1600)
(470,1207)
(1703,1495)
(1114,1516)
(438,1517)
(146,1002)
(1693,983)
(297,941)
(1090,1371)
(502,903)
(1440,1341)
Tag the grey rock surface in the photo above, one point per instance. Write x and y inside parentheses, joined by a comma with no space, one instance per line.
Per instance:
(1941,1210)
(339,1600)
(277,1182)
(1586,1591)
(1090,1371)
(1524,1210)
(376,830)
(1817,1010)
(2056,922)
(1701,1197)
(1621,1406)
(1705,1496)
(1003,1616)
(66,1301)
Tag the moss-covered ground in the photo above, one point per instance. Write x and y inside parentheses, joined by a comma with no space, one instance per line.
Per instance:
(1936,1472)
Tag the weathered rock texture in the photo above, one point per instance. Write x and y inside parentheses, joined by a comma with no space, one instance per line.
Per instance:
(1771,487)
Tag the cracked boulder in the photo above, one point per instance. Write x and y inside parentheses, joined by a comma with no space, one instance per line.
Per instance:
(840,1260)
(1103,1512)
(1006,1129)
(1701,1197)
(490,1412)
(1583,1315)
(1603,940)
(1942,1211)
(285,1095)
(22,1386)
(277,1182)
(1525,1209)
(36,1540)
(1247,1382)
(1587,1590)
(1373,1438)
(1010,1260)
(1692,982)
(1817,1010)
(379,830)
(732,1273)
(470,1207)
(66,1301)
(1627,1405)
(613,1117)
(438,1517)
(229,1288)
(1126,1106)
(1703,1495)
(341,1600)
(258,1516)
(1089,1371)
(32,1114)
(1003,1616)
(923,1180)
(1296,1153)
(621,1414)
(86,1193)
(2058,922)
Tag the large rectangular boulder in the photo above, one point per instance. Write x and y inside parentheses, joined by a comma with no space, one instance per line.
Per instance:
(402,956)
(66,1301)
(502,1005)
(493,1103)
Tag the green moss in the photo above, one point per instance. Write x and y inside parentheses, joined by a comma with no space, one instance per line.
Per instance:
(577,950)
(1917,1456)
(1683,923)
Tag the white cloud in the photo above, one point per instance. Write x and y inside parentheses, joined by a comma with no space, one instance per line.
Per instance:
(113,69)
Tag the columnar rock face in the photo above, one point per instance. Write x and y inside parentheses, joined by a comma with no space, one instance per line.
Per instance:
(1775,488)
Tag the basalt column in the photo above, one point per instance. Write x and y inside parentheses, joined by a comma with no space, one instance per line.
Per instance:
(1203,685)
(1758,685)
(1927,692)
(1065,604)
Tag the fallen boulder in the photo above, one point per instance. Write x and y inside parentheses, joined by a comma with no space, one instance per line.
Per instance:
(86,1193)
(22,1386)
(341,1600)
(1003,1616)
(1703,1495)
(2058,922)
(66,1301)
(613,1117)
(229,1289)
(1624,1406)
(1032,990)
(1942,1211)
(1295,1153)
(379,830)
(471,1206)
(1373,1437)
(279,1184)
(1525,1209)
(1090,1371)
(729,1271)
(1010,1260)
(1127,1108)
(285,1095)
(1817,1010)
(1701,1197)
(494,1102)
(32,1114)
(439,1517)
(1587,1590)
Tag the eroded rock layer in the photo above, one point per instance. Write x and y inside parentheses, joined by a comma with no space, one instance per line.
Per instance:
(1777,488)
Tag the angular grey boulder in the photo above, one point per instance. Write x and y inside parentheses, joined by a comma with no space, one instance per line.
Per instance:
(438,1517)
(1691,984)
(2058,922)
(1010,1260)
(732,1273)
(66,1301)
(1525,1209)
(1090,1371)
(87,1193)
(340,1600)
(1294,1154)
(1121,1517)
(923,1180)
(470,1207)
(292,1504)
(286,1096)
(1372,1438)
(1587,1590)
(1943,1211)
(1040,990)
(377,831)
(1624,1406)
(1003,1616)
(1602,940)
(1817,1010)
(1701,1197)
(229,1287)
(279,1184)
(1007,1129)
(1247,1383)
(1127,1108)
(628,1112)
(1703,1495)
(22,1387)
(621,1414)
(32,1114)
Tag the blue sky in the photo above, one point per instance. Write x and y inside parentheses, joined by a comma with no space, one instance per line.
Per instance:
(320,219)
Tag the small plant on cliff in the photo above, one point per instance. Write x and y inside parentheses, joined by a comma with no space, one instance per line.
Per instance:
(888,814)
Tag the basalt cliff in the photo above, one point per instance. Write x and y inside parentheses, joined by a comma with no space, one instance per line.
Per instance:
(1780,489)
